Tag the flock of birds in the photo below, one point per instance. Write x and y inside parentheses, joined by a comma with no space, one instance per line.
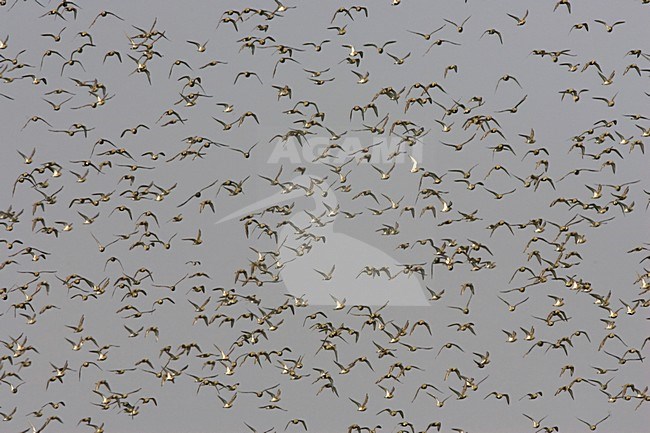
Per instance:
(127,213)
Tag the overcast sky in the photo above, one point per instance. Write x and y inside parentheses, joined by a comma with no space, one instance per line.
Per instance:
(350,244)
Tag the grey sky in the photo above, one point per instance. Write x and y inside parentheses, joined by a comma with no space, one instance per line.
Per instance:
(350,244)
